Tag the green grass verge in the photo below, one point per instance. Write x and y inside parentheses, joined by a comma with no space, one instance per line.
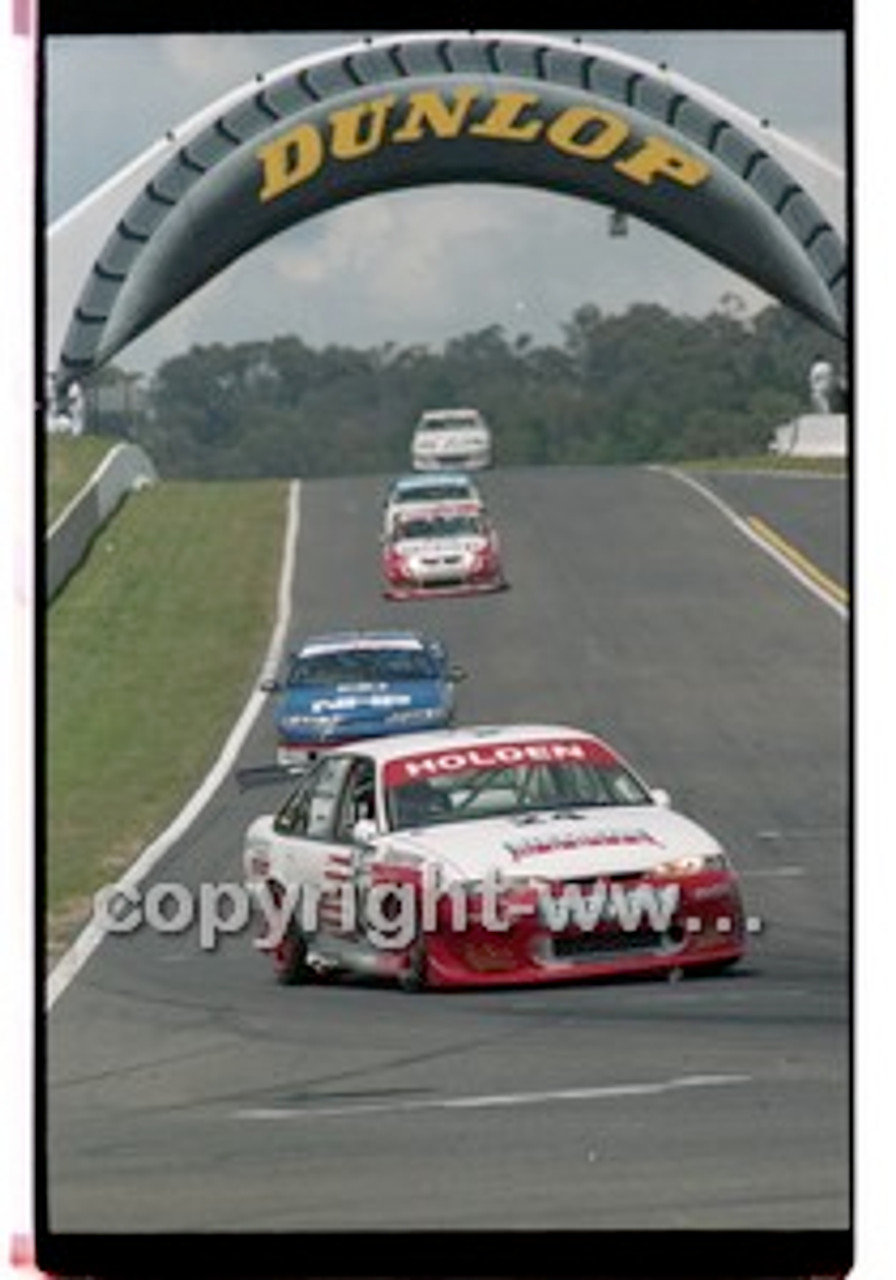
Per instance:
(151,651)
(770,462)
(71,461)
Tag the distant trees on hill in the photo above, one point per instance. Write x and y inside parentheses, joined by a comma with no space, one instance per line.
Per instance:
(646,385)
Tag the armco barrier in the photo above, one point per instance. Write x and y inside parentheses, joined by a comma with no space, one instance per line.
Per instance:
(126,467)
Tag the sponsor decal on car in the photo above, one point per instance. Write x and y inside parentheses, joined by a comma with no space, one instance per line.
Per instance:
(488,757)
(563,842)
(362,645)
(351,702)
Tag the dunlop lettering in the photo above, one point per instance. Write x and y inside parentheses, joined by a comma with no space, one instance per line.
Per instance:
(357,131)
(290,160)
(363,129)
(565,133)
(658,157)
(429,110)
(503,121)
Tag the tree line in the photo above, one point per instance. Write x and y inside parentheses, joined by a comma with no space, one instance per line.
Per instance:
(642,386)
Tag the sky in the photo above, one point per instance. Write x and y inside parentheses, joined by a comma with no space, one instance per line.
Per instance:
(419,266)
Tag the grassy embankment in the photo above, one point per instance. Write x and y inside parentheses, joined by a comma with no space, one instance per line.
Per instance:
(151,651)
(771,462)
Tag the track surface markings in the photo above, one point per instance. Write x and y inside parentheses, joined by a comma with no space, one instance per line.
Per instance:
(760,533)
(798,560)
(484,1102)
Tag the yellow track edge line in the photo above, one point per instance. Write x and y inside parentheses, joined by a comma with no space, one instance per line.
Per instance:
(774,539)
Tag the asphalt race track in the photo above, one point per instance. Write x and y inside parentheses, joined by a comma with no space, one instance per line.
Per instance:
(811,511)
(188,1092)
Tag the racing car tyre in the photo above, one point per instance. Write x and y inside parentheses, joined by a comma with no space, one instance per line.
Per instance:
(413,979)
(715,967)
(290,956)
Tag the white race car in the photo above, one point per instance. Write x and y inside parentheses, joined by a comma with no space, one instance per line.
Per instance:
(451,439)
(517,854)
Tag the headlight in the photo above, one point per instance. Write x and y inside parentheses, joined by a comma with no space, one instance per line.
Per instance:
(692,864)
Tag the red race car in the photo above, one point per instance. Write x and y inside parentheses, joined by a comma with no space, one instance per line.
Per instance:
(489,855)
(445,550)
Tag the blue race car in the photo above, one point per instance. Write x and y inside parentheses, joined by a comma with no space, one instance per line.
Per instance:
(342,686)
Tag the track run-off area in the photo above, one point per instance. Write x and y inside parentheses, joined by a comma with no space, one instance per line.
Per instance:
(187,1092)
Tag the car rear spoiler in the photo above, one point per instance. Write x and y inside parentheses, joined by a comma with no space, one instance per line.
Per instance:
(261,775)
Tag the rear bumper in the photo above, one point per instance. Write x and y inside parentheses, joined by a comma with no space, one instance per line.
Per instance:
(478,461)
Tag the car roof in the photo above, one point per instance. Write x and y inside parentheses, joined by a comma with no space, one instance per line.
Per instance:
(329,641)
(425,480)
(436,508)
(461,738)
(450,413)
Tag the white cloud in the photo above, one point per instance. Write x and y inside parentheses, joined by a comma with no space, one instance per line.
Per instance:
(214,63)
(207,63)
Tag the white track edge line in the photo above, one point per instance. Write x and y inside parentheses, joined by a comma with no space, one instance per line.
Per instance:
(476,1102)
(90,937)
(744,528)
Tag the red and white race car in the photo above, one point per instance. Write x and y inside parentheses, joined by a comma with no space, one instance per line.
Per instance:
(446,549)
(488,855)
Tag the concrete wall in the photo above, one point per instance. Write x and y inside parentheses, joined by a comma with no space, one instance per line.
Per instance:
(814,435)
(124,468)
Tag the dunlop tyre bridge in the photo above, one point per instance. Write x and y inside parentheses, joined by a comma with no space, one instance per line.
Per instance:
(408,111)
